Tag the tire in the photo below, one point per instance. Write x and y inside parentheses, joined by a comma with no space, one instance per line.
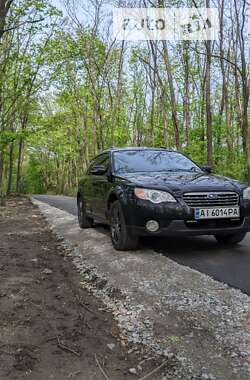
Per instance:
(83,220)
(121,237)
(230,239)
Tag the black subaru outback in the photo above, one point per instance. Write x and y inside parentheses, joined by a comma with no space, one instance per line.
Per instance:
(157,192)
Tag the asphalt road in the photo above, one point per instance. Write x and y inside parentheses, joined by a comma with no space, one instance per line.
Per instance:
(228,265)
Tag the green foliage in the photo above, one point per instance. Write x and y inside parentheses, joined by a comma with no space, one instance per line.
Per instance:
(33,181)
(66,93)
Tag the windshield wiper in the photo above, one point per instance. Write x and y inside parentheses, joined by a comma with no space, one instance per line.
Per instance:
(193,169)
(174,170)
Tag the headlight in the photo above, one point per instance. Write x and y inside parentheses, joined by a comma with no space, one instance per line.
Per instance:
(154,196)
(246,193)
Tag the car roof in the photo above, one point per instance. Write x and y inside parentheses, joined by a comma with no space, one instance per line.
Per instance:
(117,149)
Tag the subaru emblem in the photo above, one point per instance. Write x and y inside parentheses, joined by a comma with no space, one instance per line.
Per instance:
(212,196)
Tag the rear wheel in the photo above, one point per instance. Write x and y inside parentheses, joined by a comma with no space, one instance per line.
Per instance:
(230,239)
(83,219)
(121,237)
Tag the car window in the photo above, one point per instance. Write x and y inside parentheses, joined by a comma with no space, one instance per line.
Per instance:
(106,162)
(100,160)
(133,161)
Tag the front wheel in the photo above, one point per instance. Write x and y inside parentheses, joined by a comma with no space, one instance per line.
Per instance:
(230,239)
(83,219)
(121,237)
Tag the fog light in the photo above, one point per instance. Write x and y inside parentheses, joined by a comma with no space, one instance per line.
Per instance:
(152,226)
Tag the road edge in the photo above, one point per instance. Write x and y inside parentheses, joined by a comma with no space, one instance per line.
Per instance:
(117,301)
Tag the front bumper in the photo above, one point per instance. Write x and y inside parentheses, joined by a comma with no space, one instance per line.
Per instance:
(177,219)
(181,228)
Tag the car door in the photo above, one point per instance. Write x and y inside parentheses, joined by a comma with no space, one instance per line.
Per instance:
(88,189)
(101,186)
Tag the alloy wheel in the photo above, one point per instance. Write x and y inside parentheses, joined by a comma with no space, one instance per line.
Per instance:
(116,225)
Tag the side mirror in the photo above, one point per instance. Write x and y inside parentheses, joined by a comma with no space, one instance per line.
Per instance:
(207,169)
(98,170)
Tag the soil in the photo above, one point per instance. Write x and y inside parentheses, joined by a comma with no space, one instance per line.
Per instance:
(50,327)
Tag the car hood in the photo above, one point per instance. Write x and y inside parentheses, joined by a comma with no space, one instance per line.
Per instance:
(181,182)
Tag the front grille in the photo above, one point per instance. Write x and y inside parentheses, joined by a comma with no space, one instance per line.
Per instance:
(211,199)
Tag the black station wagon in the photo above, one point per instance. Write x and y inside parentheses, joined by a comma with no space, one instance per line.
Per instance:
(157,192)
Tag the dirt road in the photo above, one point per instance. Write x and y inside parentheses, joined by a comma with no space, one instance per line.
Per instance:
(50,327)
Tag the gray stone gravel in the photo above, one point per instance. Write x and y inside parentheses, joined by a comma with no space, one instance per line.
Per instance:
(199,324)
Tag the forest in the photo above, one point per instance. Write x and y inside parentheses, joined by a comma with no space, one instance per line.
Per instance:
(69,89)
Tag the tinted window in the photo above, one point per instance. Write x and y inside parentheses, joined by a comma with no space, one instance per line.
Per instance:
(100,160)
(105,162)
(152,161)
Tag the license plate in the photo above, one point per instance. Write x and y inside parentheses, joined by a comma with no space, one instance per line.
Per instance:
(217,213)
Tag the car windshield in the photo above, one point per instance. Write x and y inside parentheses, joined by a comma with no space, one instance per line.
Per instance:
(134,161)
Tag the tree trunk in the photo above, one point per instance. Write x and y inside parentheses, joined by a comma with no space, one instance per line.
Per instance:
(9,187)
(245,84)
(208,107)
(4,9)
(172,95)
(19,164)
(1,171)
(208,101)
(245,131)
(186,101)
